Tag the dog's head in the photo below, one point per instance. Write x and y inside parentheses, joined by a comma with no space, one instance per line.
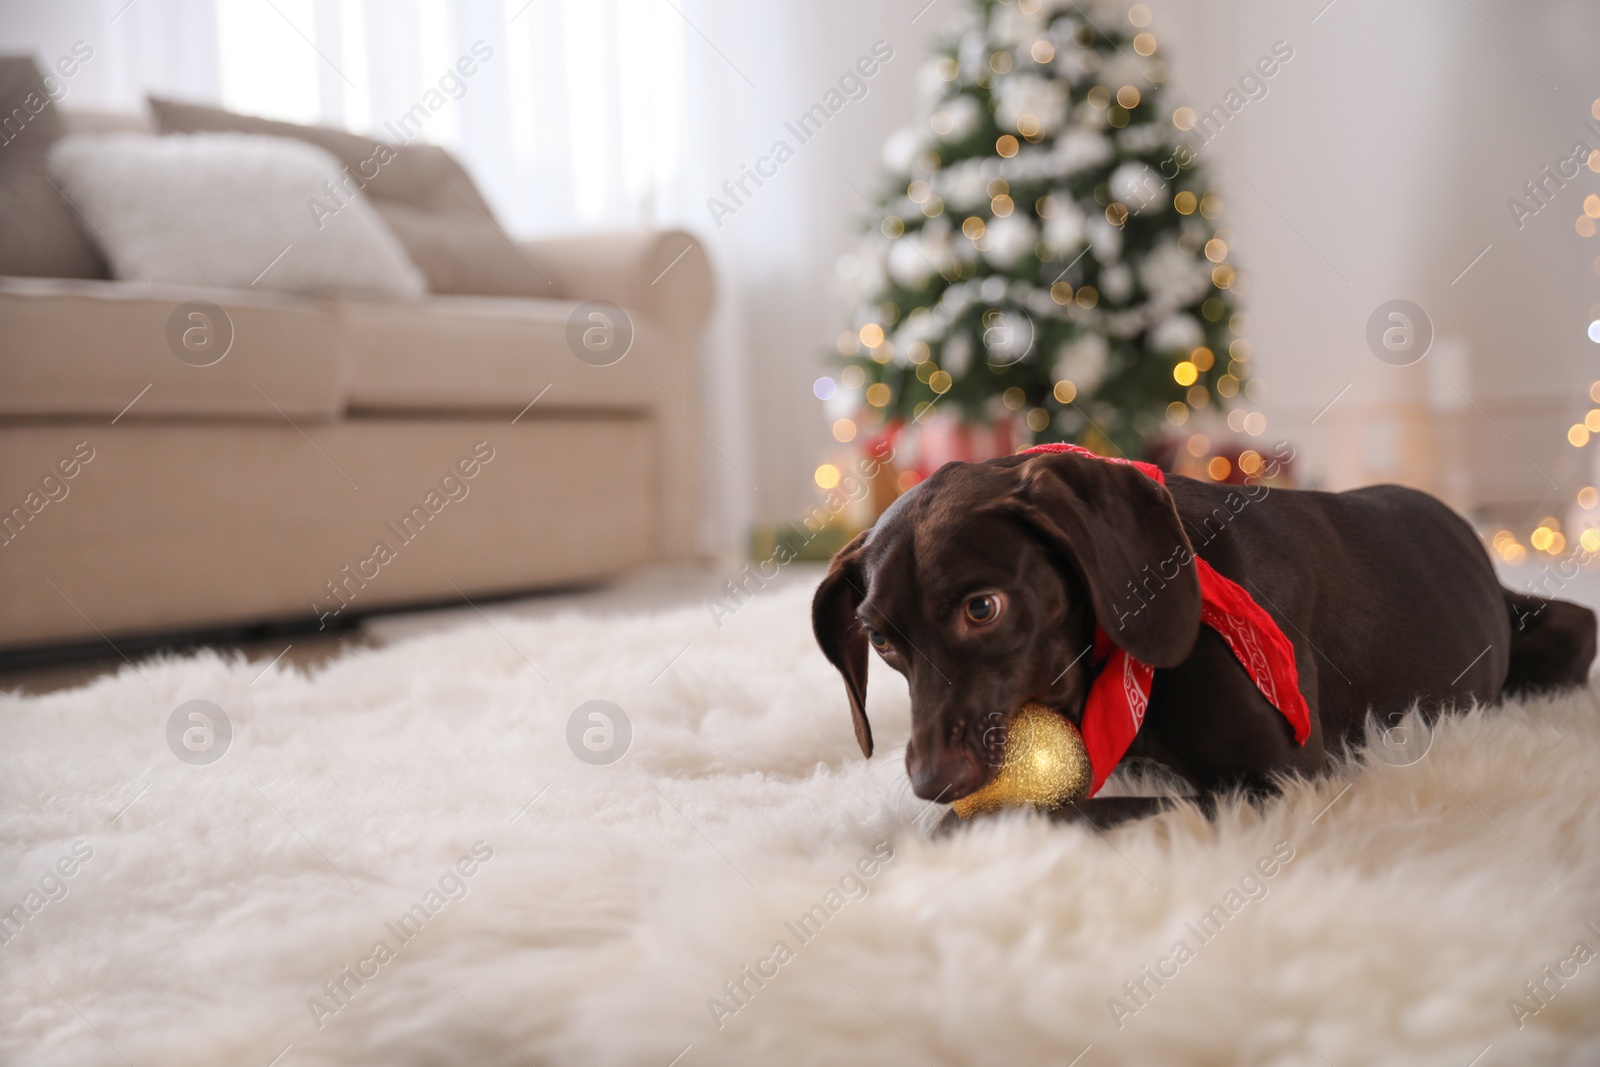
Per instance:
(983,586)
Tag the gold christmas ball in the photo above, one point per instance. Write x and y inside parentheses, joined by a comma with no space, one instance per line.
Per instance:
(1045,765)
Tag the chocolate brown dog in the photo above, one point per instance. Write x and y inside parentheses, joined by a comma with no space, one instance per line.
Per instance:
(984,584)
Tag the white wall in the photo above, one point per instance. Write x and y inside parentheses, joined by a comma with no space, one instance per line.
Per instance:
(1392,142)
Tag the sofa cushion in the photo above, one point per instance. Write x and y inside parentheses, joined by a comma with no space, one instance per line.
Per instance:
(230,209)
(464,258)
(421,190)
(40,232)
(90,348)
(487,353)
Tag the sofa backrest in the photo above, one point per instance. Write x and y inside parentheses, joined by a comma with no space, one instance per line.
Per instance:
(417,174)
(40,234)
(93,120)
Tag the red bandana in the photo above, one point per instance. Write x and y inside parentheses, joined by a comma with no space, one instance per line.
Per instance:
(1121,691)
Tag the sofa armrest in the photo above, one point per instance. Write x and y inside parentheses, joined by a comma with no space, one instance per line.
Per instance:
(663,274)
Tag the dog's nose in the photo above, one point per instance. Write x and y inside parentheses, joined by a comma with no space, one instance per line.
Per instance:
(946,775)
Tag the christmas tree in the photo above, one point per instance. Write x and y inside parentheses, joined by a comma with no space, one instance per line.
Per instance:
(1046,244)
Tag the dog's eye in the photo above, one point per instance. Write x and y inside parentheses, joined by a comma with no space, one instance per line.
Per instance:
(879,642)
(984,608)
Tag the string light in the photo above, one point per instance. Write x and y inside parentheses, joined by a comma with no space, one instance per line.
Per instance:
(1547,536)
(1506,546)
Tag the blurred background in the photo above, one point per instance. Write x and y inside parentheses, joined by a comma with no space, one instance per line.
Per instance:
(1206,233)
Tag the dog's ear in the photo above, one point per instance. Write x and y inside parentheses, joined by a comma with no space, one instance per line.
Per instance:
(1122,531)
(839,631)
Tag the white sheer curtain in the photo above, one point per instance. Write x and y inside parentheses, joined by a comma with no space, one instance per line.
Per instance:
(574,120)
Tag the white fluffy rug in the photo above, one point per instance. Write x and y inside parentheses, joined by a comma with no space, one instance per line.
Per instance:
(1391,915)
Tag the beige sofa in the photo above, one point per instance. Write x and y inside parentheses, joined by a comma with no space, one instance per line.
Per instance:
(346,454)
